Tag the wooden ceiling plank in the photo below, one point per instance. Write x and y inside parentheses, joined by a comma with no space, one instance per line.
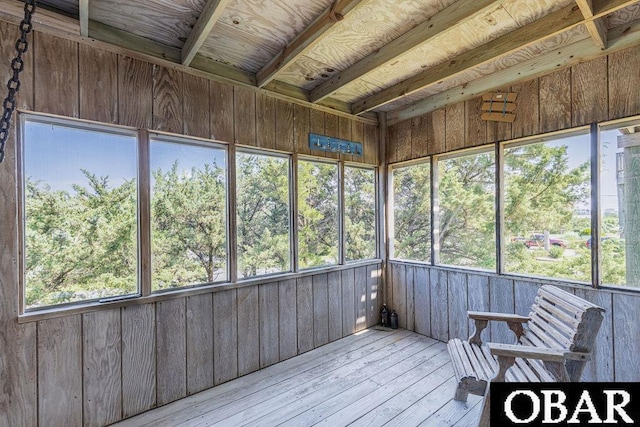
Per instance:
(597,29)
(548,26)
(43,20)
(210,14)
(83,9)
(554,23)
(455,14)
(306,39)
(584,50)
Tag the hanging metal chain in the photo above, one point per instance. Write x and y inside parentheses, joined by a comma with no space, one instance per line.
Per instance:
(17,65)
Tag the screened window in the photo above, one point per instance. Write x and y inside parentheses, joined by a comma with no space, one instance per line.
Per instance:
(188,214)
(466,215)
(262,197)
(317,213)
(80,212)
(619,201)
(411,200)
(359,213)
(547,213)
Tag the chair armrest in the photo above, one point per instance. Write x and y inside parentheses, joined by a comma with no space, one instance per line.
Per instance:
(504,317)
(545,354)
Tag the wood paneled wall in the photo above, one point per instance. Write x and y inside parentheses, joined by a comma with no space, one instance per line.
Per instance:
(602,89)
(433,301)
(99,367)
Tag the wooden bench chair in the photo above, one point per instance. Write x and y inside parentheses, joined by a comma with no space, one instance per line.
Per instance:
(552,344)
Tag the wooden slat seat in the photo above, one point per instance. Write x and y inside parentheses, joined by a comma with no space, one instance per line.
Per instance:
(552,344)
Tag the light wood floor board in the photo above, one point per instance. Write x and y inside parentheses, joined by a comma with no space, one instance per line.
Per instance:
(376,377)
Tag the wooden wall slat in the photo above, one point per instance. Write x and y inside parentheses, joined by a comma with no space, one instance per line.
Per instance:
(524,293)
(171,350)
(135,92)
(250,317)
(455,127)
(138,359)
(317,126)
(439,305)
(589,92)
(288,335)
(437,128)
(410,308)
(399,294)
(332,129)
(555,101)
(334,290)
(371,145)
(600,367)
(626,331)
(357,135)
(320,310)
(403,140)
(195,106)
(501,301)
(348,303)
(304,306)
(244,116)
(624,80)
(360,279)
(301,129)
(199,342)
(420,136)
(422,296)
(269,319)
(476,128)
(56,67)
(373,296)
(225,336)
(167,99)
(345,132)
(102,380)
(284,126)
(527,120)
(60,371)
(477,298)
(98,73)
(457,293)
(221,111)
(265,121)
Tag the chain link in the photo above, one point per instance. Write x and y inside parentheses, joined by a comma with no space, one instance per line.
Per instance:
(17,65)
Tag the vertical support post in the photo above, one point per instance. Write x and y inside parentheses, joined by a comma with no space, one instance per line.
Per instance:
(341,215)
(631,145)
(293,220)
(596,276)
(435,213)
(232,236)
(383,204)
(499,196)
(144,212)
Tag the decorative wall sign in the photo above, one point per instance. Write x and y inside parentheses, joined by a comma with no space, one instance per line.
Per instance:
(335,145)
(498,106)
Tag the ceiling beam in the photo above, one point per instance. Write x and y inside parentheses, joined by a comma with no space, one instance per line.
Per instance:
(455,14)
(304,41)
(548,26)
(619,38)
(83,11)
(597,29)
(207,19)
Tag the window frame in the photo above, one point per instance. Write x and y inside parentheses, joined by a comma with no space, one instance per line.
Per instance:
(76,124)
(376,202)
(164,137)
(290,176)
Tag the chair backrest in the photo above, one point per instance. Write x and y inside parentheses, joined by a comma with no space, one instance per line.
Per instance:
(562,320)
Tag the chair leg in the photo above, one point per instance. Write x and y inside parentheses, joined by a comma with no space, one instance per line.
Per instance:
(461,393)
(486,408)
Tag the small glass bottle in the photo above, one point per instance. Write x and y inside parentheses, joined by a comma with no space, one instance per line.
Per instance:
(394,320)
(384,316)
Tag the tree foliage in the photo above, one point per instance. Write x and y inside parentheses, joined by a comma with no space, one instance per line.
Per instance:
(359,215)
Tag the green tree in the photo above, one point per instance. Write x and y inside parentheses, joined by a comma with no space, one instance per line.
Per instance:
(188,226)
(262,190)
(360,215)
(412,212)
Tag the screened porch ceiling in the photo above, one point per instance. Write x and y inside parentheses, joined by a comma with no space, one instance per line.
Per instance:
(403,57)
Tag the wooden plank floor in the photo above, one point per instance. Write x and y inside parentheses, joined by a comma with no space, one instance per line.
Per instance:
(376,377)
